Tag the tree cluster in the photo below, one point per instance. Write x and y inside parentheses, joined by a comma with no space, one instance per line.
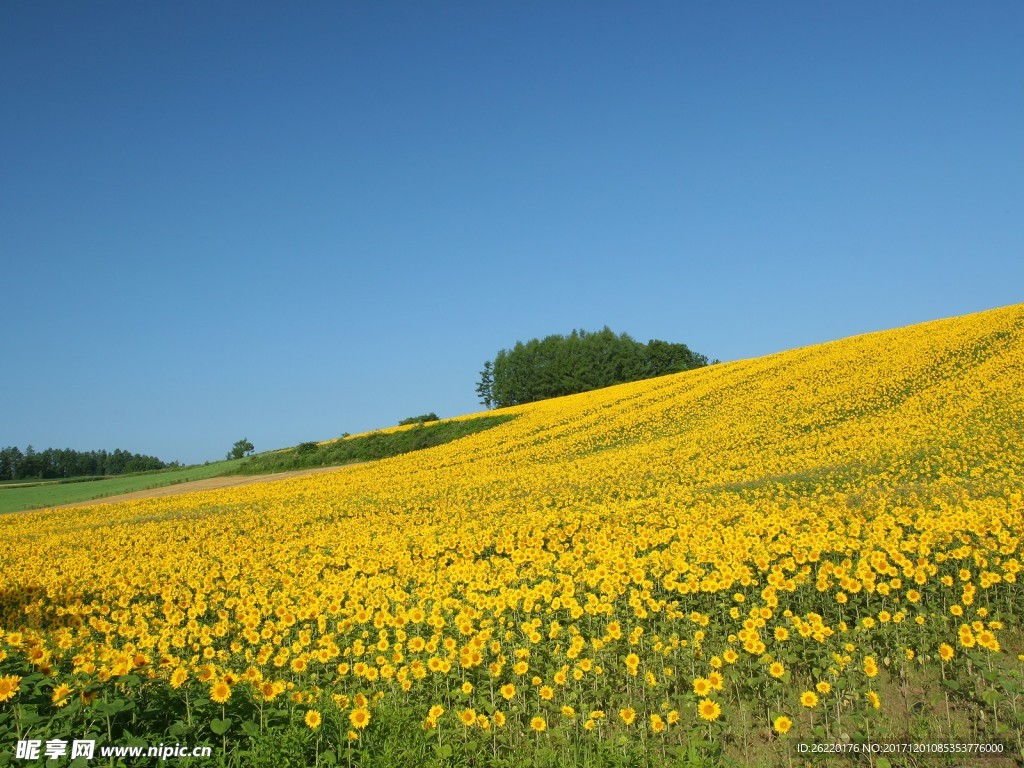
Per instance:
(582,361)
(419,419)
(58,463)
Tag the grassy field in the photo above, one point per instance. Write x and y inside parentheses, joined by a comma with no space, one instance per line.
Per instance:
(713,568)
(371,446)
(15,497)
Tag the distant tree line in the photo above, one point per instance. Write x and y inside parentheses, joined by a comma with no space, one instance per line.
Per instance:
(582,361)
(56,463)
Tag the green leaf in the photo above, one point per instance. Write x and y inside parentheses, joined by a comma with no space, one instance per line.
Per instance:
(883,762)
(179,729)
(220,727)
(444,751)
(28,717)
(108,708)
(249,728)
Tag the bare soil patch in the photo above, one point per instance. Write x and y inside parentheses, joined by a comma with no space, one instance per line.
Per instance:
(209,484)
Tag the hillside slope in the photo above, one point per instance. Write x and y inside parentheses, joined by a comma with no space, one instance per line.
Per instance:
(867,478)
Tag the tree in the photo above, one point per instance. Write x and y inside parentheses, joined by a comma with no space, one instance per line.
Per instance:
(485,387)
(582,361)
(10,463)
(419,419)
(31,465)
(242,448)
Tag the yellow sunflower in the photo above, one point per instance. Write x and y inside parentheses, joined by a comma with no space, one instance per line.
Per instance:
(60,695)
(709,710)
(220,692)
(359,718)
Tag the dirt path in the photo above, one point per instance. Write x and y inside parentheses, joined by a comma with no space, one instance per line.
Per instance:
(209,484)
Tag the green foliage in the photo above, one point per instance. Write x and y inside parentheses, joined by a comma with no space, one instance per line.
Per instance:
(49,493)
(419,419)
(485,387)
(241,449)
(582,361)
(368,447)
(926,705)
(16,464)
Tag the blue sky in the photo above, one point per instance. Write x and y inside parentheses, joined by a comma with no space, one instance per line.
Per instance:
(288,221)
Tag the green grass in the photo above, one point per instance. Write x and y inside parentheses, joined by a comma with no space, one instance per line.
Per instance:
(368,447)
(49,493)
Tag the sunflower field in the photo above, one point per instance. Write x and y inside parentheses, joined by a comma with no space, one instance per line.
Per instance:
(736,565)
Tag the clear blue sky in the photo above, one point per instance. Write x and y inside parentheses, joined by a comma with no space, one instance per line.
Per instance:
(289,220)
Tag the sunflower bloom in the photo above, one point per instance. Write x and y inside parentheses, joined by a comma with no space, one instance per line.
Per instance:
(870,666)
(359,718)
(220,692)
(657,724)
(60,695)
(709,710)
